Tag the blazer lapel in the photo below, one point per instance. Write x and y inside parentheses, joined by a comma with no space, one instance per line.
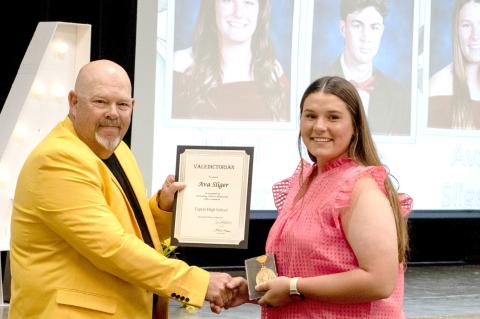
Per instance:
(138,188)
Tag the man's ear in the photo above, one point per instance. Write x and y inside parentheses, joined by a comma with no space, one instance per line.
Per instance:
(341,26)
(72,103)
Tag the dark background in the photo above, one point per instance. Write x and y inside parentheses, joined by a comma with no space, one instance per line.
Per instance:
(453,238)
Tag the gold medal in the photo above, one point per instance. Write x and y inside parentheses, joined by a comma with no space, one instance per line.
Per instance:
(264,274)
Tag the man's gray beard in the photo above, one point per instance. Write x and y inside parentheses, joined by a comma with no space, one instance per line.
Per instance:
(109,144)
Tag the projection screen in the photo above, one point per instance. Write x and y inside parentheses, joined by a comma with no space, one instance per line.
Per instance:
(178,59)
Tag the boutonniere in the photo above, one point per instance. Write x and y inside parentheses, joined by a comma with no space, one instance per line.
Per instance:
(168,249)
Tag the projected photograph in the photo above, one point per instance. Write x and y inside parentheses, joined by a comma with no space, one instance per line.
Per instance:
(369,44)
(454,88)
(232,60)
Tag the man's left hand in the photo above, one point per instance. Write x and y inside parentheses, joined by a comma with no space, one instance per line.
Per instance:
(166,195)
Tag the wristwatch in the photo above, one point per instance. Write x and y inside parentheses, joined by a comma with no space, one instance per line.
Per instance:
(293,288)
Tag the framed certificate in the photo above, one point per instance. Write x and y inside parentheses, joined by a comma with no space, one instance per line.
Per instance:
(213,210)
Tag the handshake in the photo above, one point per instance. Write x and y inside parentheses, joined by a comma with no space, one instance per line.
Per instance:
(226,292)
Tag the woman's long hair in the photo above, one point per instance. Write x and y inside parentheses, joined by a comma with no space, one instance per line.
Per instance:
(462,112)
(207,67)
(362,148)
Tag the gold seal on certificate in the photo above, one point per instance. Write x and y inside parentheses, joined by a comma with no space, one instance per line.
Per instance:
(213,209)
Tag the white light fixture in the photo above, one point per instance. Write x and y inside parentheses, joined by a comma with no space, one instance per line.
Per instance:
(51,63)
(61,48)
(39,88)
(20,133)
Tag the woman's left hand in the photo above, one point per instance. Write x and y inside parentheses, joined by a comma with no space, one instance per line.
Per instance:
(277,292)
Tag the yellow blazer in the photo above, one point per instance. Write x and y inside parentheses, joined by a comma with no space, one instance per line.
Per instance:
(76,249)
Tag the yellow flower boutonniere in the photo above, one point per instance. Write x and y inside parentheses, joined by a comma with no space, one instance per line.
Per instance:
(168,250)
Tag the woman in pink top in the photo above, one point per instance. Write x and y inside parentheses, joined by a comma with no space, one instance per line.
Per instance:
(340,237)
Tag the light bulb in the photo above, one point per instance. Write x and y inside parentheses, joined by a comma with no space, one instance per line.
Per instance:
(20,132)
(39,88)
(61,47)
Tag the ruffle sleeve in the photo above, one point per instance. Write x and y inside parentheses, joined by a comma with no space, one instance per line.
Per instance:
(281,189)
(406,203)
(343,198)
(344,195)
(378,173)
(280,192)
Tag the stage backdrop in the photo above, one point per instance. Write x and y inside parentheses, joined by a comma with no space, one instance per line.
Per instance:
(438,167)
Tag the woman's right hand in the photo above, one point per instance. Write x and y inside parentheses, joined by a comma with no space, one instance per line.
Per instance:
(239,287)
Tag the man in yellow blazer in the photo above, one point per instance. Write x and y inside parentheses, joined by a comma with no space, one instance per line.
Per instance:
(85,238)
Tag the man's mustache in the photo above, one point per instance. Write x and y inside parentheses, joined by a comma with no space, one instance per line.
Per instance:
(110,123)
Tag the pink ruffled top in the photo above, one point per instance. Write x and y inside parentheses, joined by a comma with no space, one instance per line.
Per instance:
(307,238)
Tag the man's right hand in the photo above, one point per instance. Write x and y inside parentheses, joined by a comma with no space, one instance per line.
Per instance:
(218,293)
